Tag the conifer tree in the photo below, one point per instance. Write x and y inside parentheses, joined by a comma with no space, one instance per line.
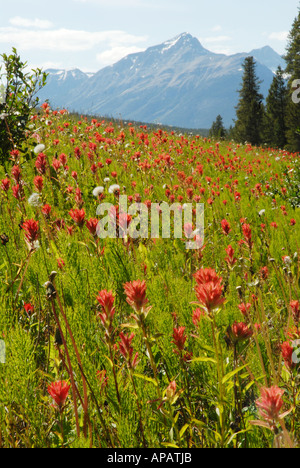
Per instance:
(250,109)
(292,59)
(217,129)
(276,112)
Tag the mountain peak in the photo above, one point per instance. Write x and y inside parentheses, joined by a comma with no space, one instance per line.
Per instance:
(268,57)
(183,40)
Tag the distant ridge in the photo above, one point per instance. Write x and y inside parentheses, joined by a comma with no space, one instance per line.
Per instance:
(177,83)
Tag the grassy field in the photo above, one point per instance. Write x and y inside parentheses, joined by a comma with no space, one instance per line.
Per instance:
(141,342)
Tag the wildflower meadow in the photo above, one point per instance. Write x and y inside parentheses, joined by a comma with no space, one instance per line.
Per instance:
(138,341)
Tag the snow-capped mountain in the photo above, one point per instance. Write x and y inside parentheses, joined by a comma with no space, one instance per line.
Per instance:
(178,82)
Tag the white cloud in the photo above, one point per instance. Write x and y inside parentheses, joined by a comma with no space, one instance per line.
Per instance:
(216,28)
(279,36)
(113,55)
(18,21)
(65,40)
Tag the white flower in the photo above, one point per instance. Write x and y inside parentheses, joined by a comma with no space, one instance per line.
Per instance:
(36,245)
(113,188)
(97,191)
(262,212)
(39,148)
(107,179)
(287,260)
(34,200)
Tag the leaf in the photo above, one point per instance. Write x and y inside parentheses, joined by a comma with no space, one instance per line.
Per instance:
(169,445)
(232,374)
(144,377)
(204,359)
(130,325)
(182,431)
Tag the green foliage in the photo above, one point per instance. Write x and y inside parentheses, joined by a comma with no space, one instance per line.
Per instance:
(293,70)
(250,109)
(276,112)
(217,129)
(17,99)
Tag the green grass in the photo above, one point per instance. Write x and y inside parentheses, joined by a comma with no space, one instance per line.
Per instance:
(218,385)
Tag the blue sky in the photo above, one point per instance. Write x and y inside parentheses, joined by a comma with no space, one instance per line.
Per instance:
(90,34)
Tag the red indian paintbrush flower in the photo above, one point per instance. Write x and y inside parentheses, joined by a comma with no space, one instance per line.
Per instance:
(59,391)
(92,225)
(240,332)
(5,184)
(226,227)
(270,404)
(230,259)
(29,308)
(106,300)
(78,216)
(31,228)
(244,308)
(41,163)
(295,306)
(209,289)
(38,183)
(136,294)
(126,349)
(287,354)
(179,338)
(16,174)
(247,234)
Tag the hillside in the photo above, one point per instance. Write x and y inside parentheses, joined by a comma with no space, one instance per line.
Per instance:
(177,83)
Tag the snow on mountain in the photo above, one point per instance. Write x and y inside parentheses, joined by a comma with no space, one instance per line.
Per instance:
(178,82)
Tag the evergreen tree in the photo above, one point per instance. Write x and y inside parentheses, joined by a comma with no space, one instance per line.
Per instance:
(250,109)
(292,59)
(218,130)
(276,111)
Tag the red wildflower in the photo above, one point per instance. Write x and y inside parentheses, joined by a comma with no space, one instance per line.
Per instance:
(264,272)
(92,225)
(31,228)
(207,275)
(292,222)
(126,349)
(46,210)
(5,184)
(29,309)
(240,332)
(179,338)
(60,263)
(56,164)
(17,191)
(136,294)
(16,173)
(230,259)
(78,216)
(244,308)
(287,354)
(59,391)
(295,306)
(106,300)
(38,183)
(225,226)
(209,295)
(196,317)
(247,234)
(41,163)
(270,404)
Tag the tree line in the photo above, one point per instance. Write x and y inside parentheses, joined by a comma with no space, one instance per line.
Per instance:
(276,122)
